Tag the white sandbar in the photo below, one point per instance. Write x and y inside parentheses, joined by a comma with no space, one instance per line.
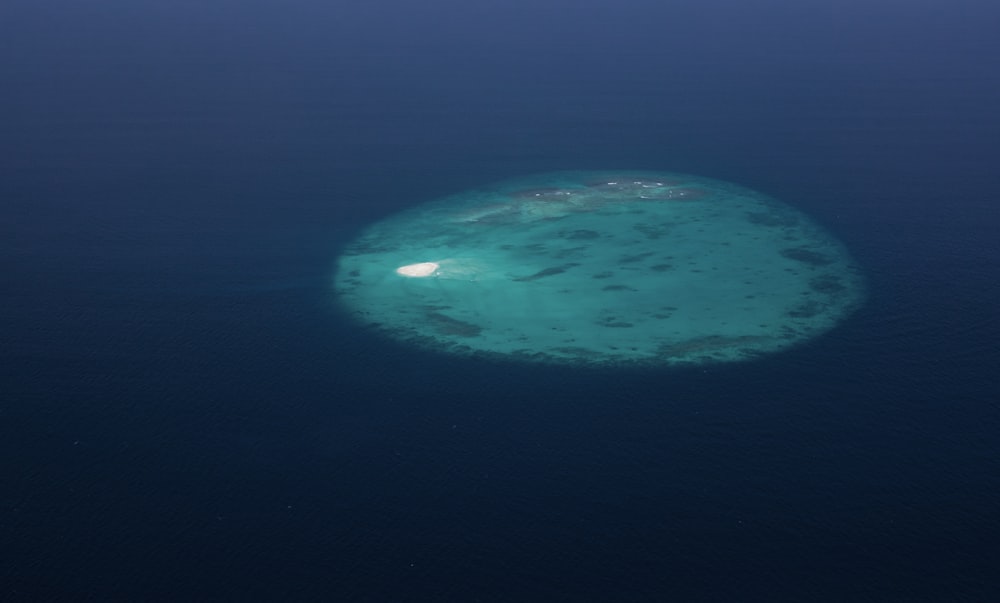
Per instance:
(418,270)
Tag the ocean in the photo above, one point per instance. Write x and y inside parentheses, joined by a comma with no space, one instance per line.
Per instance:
(188,414)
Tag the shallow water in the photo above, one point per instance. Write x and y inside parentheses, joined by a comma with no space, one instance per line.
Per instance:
(601,268)
(182,423)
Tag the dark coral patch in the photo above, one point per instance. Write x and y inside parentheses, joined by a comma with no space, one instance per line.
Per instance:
(638,257)
(446,325)
(619,325)
(654,231)
(618,288)
(828,284)
(579,235)
(545,272)
(806,309)
(806,256)
(771,218)
(708,344)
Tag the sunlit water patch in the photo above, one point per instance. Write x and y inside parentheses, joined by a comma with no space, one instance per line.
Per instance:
(601,268)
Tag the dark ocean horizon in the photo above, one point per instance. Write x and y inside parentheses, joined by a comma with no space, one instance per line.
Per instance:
(187,414)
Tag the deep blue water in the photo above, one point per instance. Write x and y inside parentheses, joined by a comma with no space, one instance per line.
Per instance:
(185,416)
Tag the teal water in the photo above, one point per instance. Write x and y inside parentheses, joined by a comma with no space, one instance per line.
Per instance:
(601,268)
